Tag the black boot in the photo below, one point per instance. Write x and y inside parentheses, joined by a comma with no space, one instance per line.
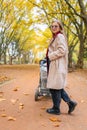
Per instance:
(72,105)
(56,98)
(53,111)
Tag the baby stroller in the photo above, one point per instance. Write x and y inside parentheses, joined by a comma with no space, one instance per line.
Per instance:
(42,90)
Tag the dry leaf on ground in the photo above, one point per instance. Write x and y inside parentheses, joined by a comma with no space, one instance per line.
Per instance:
(3,115)
(26,94)
(57,125)
(21,105)
(43,108)
(10,118)
(54,119)
(13,101)
(3,79)
(15,89)
(1,94)
(2,99)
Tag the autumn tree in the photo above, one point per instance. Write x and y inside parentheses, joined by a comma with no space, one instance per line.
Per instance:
(14,26)
(74,17)
(81,27)
(20,31)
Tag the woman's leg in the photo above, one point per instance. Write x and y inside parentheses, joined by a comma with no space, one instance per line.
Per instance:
(56,98)
(66,98)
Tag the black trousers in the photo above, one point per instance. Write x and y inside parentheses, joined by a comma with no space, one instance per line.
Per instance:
(57,95)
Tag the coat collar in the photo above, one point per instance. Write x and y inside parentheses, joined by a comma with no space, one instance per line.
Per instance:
(55,34)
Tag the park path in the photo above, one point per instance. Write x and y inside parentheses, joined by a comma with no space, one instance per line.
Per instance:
(19,111)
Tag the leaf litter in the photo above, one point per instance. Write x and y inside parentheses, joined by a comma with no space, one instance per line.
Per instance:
(21,105)
(10,118)
(56,121)
(13,101)
(3,115)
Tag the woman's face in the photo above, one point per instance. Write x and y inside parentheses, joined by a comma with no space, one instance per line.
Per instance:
(55,27)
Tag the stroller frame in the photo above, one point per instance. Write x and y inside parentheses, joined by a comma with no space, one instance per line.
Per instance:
(41,89)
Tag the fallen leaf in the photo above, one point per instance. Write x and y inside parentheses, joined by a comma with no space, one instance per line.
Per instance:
(13,101)
(26,94)
(2,99)
(3,115)
(57,125)
(21,105)
(15,89)
(43,108)
(10,118)
(54,119)
(1,94)
(3,79)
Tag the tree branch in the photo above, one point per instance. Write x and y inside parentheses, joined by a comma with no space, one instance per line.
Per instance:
(74,9)
(83,9)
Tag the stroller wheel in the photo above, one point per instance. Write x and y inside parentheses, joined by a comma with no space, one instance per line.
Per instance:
(36,95)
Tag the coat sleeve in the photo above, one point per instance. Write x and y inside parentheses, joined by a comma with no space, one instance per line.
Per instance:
(60,50)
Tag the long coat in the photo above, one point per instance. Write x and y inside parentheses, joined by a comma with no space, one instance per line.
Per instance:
(58,55)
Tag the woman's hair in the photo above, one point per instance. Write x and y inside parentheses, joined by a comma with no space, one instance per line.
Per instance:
(61,27)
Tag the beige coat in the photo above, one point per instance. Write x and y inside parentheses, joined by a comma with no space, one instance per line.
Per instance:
(58,55)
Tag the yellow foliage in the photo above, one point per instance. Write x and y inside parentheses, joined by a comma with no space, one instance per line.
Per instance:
(21,15)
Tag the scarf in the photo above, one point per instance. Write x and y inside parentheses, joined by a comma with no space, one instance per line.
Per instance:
(55,34)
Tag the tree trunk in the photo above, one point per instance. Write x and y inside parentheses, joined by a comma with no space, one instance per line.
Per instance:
(10,60)
(5,58)
(80,62)
(0,57)
(70,60)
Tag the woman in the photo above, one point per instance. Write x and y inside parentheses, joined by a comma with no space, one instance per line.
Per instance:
(58,55)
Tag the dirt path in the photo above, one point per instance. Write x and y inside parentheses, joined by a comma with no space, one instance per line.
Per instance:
(17,101)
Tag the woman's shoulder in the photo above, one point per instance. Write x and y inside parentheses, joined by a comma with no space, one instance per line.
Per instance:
(60,36)
(61,39)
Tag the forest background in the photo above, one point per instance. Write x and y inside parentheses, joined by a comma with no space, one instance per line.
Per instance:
(25,30)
